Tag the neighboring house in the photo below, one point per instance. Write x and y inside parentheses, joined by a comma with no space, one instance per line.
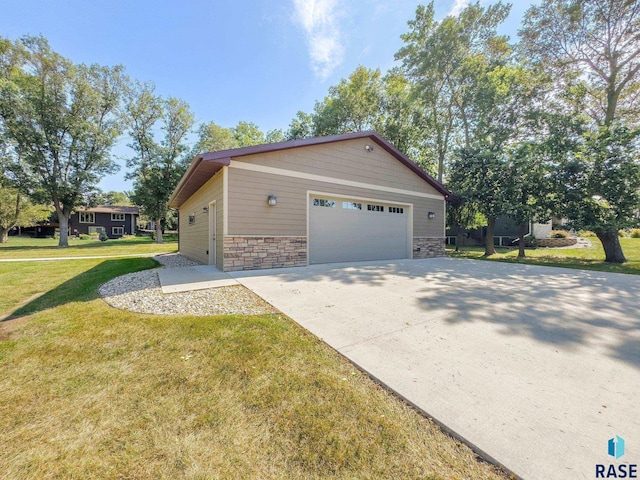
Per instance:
(505,233)
(341,198)
(115,221)
(41,230)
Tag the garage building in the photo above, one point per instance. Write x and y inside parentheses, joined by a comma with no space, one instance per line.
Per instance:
(341,198)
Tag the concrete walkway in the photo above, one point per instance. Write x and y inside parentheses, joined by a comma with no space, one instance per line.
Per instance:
(186,279)
(90,257)
(536,366)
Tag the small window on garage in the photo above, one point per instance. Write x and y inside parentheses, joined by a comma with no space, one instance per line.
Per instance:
(351,206)
(375,208)
(192,219)
(117,231)
(396,210)
(323,202)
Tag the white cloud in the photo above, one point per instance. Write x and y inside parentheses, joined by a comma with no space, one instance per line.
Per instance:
(457,7)
(320,21)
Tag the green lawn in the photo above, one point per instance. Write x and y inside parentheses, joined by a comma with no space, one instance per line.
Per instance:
(26,247)
(582,258)
(91,392)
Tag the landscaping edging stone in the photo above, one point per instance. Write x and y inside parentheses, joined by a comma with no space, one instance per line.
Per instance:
(556,242)
(140,292)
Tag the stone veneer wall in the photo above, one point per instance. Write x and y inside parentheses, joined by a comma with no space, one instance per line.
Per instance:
(556,242)
(429,247)
(254,253)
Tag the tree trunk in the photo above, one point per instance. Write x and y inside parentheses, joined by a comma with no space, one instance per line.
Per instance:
(4,232)
(489,248)
(521,240)
(440,167)
(459,240)
(63,218)
(612,103)
(159,231)
(612,248)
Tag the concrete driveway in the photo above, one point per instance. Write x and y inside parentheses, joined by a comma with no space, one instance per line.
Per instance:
(536,366)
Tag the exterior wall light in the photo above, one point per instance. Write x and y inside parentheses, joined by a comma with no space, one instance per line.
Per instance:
(272,200)
(431,215)
(205,209)
(368,148)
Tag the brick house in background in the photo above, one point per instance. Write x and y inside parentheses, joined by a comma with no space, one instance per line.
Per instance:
(115,221)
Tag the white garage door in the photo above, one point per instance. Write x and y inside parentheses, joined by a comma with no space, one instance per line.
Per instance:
(348,230)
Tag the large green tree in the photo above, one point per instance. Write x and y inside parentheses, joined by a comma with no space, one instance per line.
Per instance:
(109,198)
(479,175)
(402,121)
(247,134)
(591,48)
(276,135)
(600,182)
(62,119)
(441,59)
(17,210)
(493,171)
(212,137)
(301,126)
(366,100)
(351,106)
(529,188)
(593,45)
(157,165)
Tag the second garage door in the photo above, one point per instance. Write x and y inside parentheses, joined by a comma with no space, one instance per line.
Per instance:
(350,230)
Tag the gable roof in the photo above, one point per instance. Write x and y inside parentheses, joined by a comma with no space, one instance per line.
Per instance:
(205,165)
(110,209)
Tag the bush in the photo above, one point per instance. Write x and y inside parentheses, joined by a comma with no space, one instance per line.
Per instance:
(103,237)
(586,233)
(635,233)
(84,236)
(623,233)
(559,234)
(531,241)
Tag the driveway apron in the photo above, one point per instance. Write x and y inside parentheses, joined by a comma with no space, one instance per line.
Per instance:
(538,367)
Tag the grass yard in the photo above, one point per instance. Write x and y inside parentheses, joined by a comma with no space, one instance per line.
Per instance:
(26,247)
(582,258)
(88,391)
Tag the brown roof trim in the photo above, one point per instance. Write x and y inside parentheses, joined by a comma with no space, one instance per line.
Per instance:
(223,158)
(272,147)
(186,187)
(111,209)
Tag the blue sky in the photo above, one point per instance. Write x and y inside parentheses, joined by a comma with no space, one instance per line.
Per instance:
(252,60)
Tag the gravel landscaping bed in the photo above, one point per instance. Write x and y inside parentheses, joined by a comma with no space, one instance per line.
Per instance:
(140,292)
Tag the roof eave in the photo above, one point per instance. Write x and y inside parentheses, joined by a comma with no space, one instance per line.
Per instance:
(223,158)
(174,200)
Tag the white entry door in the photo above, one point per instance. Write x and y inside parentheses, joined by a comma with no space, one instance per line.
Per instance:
(212,233)
(352,230)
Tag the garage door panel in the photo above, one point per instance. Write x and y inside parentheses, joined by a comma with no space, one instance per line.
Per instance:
(339,234)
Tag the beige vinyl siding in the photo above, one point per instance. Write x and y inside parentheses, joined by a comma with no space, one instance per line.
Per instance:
(345,160)
(249,213)
(194,239)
